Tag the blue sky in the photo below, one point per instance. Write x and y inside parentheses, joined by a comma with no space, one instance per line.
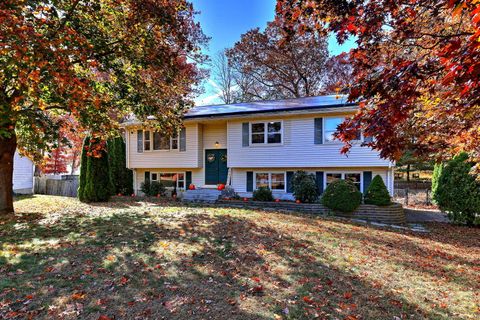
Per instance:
(224,21)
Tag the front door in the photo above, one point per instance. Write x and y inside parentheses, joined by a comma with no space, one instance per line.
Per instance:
(216,170)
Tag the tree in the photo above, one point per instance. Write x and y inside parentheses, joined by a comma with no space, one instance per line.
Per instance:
(416,69)
(120,177)
(270,68)
(223,75)
(83,169)
(98,187)
(304,187)
(55,162)
(411,162)
(96,60)
(458,192)
(377,193)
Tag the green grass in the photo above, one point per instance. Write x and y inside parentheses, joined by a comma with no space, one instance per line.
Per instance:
(131,259)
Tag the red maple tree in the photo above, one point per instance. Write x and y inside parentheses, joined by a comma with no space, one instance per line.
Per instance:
(416,69)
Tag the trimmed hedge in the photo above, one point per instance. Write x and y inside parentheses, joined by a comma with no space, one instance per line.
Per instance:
(342,195)
(83,169)
(377,193)
(121,178)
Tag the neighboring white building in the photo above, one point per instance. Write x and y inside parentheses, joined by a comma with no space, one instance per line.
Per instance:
(23,170)
(248,145)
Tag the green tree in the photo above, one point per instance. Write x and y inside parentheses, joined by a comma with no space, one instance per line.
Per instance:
(410,162)
(304,187)
(97,177)
(437,172)
(458,192)
(96,60)
(120,177)
(377,193)
(83,168)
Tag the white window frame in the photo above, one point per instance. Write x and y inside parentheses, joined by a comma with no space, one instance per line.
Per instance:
(324,133)
(151,132)
(343,173)
(265,133)
(159,173)
(270,180)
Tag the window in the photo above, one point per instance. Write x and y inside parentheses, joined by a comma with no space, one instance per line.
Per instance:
(354,177)
(331,126)
(146,142)
(274,181)
(266,132)
(170,180)
(160,142)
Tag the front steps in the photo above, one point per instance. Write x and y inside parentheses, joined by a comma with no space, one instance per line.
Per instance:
(201,195)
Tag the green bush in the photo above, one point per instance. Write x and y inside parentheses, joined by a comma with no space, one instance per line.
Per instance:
(97,177)
(152,189)
(458,192)
(342,195)
(120,176)
(83,169)
(263,194)
(377,193)
(304,187)
(437,172)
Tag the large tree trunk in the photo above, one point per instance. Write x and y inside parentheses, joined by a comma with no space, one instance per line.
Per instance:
(7,152)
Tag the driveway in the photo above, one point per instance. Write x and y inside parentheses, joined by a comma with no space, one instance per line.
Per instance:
(414,215)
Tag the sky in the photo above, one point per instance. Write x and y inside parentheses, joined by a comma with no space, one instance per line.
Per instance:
(224,21)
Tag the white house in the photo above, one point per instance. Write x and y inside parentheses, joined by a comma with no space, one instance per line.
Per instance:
(23,171)
(248,145)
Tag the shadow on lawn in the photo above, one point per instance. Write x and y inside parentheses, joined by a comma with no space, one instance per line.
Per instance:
(195,266)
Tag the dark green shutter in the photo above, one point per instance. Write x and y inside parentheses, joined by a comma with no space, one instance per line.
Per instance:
(139,141)
(249,181)
(319,181)
(318,131)
(183,139)
(147,176)
(367,178)
(245,134)
(289,181)
(188,179)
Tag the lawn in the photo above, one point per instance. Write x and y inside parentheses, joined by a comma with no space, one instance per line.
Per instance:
(127,259)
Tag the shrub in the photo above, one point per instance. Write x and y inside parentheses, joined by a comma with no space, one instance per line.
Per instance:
(153,188)
(97,177)
(83,169)
(377,193)
(121,177)
(304,187)
(342,195)
(229,193)
(457,192)
(437,172)
(263,194)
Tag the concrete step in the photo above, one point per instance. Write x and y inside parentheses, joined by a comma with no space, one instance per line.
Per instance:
(201,195)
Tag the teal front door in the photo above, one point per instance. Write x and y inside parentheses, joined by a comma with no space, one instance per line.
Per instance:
(216,170)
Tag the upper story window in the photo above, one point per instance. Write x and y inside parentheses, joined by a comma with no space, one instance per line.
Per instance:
(154,140)
(331,126)
(270,132)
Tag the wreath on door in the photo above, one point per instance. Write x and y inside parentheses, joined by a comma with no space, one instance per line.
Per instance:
(223,158)
(211,157)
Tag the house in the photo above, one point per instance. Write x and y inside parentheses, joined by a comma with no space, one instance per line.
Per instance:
(249,145)
(23,171)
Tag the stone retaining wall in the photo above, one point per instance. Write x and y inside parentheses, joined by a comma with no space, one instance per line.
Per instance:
(393,214)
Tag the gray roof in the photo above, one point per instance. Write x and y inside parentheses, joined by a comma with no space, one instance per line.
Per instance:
(320,102)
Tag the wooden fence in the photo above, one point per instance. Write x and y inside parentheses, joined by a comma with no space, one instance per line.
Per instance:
(66,187)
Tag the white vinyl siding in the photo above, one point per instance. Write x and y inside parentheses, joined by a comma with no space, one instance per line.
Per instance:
(22,174)
(297,150)
(171,158)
